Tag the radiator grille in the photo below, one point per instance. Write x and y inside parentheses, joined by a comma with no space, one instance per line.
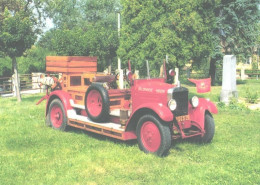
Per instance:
(180,94)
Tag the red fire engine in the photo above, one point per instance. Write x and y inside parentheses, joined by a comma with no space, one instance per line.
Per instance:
(150,110)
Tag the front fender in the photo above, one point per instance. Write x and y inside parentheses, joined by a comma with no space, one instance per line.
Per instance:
(197,114)
(63,96)
(208,105)
(161,110)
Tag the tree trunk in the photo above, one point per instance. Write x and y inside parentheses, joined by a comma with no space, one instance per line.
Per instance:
(212,70)
(16,79)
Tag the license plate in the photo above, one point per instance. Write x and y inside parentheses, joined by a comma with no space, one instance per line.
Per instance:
(182,118)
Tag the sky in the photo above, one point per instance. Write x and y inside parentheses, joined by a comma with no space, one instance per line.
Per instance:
(49,25)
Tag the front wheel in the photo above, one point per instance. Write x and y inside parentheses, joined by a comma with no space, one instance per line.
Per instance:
(209,129)
(56,116)
(153,136)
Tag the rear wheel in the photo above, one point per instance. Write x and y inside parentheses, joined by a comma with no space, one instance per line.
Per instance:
(153,136)
(56,116)
(97,103)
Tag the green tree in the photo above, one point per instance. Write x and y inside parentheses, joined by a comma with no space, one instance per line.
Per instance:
(6,67)
(65,14)
(33,60)
(153,29)
(83,28)
(17,32)
(235,31)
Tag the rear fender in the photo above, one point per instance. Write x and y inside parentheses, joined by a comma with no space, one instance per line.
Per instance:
(64,98)
(197,114)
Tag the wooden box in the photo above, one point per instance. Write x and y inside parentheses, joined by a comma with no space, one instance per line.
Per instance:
(71,64)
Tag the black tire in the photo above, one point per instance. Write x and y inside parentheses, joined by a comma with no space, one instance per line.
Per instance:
(47,120)
(56,117)
(209,130)
(153,136)
(97,103)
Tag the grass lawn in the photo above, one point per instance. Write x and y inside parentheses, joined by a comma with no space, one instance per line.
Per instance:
(31,153)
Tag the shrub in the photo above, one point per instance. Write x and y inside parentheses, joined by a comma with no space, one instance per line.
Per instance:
(221,104)
(235,105)
(251,97)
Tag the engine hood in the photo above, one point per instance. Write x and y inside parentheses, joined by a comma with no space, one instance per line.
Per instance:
(154,86)
(152,91)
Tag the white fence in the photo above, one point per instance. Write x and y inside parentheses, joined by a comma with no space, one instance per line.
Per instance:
(28,84)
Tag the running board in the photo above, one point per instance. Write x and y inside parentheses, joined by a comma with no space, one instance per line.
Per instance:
(108,129)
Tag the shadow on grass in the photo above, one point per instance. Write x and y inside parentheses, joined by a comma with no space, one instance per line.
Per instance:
(177,142)
(241,82)
(101,137)
(175,145)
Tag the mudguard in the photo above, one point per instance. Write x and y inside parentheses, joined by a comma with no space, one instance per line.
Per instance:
(63,96)
(197,114)
(161,110)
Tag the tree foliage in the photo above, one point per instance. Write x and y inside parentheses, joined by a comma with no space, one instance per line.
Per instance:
(17,34)
(236,30)
(188,30)
(33,60)
(153,29)
(83,28)
(237,24)
(70,13)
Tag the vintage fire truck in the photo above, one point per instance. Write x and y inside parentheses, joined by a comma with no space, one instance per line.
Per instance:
(150,110)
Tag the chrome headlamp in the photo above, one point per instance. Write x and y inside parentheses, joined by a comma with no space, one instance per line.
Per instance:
(172,104)
(194,101)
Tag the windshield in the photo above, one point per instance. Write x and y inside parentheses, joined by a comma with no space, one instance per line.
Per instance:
(152,70)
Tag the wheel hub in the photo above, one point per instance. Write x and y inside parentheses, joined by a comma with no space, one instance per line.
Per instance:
(94,103)
(56,116)
(151,137)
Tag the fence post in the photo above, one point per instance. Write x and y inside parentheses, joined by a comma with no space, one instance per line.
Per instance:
(13,85)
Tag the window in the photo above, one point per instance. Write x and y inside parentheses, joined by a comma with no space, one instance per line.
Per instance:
(75,80)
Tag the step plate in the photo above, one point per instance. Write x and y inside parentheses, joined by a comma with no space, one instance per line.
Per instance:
(85,120)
